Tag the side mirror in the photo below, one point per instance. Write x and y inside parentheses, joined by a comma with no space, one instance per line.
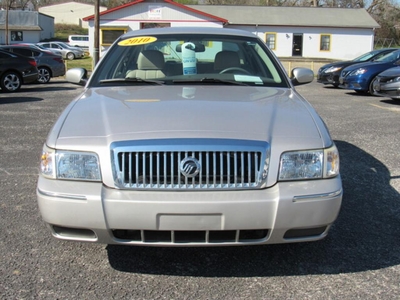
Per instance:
(77,76)
(300,76)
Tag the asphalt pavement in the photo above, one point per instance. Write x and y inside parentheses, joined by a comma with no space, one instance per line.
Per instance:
(360,258)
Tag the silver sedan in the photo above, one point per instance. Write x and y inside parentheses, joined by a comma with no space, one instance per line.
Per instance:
(67,51)
(387,84)
(189,137)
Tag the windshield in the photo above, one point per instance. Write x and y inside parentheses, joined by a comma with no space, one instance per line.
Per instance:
(189,59)
(366,56)
(63,45)
(391,57)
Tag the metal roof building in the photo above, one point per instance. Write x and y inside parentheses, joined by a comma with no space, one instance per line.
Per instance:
(335,33)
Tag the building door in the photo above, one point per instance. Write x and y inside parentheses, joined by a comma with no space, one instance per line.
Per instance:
(297,44)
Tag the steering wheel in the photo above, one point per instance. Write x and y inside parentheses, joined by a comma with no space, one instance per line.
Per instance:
(235,69)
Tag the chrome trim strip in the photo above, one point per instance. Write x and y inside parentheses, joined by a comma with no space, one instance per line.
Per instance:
(65,196)
(325,196)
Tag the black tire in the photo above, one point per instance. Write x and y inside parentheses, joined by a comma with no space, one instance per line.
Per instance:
(10,82)
(371,87)
(44,75)
(70,56)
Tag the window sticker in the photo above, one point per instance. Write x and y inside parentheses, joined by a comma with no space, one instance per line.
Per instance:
(142,40)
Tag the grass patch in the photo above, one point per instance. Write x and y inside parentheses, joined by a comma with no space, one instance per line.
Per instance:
(62,31)
(86,62)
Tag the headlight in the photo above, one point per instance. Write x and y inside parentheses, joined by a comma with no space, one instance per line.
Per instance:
(359,71)
(333,69)
(396,79)
(70,165)
(311,164)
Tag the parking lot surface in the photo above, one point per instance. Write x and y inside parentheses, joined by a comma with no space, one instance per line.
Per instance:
(360,258)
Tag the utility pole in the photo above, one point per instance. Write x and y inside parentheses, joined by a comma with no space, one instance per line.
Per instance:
(96,32)
(6,27)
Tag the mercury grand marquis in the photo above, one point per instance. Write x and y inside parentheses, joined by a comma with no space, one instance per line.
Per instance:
(189,137)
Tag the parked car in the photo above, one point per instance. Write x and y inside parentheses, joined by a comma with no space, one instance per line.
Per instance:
(79,41)
(54,51)
(359,77)
(387,84)
(330,73)
(189,136)
(16,70)
(67,51)
(49,64)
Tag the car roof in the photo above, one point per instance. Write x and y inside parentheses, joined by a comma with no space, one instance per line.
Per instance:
(190,30)
(16,54)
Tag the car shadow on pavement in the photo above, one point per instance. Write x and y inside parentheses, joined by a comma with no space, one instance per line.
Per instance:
(360,94)
(45,88)
(10,100)
(392,102)
(366,236)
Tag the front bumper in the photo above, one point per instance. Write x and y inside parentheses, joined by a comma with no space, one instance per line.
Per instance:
(287,212)
(391,90)
(330,78)
(353,83)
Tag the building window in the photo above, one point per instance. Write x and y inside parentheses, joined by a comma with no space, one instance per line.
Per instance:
(17,36)
(270,40)
(325,44)
(154,25)
(109,35)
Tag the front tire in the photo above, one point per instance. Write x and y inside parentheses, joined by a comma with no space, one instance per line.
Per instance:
(371,87)
(70,56)
(10,82)
(44,75)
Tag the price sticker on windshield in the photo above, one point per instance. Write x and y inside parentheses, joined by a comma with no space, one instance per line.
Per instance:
(142,40)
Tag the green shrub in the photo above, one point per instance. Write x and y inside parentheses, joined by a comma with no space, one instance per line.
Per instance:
(62,31)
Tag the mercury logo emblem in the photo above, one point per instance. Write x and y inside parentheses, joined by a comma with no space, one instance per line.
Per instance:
(190,167)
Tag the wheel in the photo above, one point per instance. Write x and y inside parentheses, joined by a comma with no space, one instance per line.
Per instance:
(70,56)
(227,70)
(10,82)
(44,75)
(371,87)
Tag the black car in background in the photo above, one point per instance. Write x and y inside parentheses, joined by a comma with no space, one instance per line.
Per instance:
(330,73)
(48,64)
(15,70)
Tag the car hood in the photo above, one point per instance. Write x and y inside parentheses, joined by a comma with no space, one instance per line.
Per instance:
(339,64)
(392,72)
(370,64)
(104,115)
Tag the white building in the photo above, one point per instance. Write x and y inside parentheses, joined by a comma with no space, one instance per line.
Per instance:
(25,26)
(70,12)
(335,33)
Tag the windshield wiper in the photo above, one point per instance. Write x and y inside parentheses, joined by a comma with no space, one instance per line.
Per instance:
(209,80)
(133,79)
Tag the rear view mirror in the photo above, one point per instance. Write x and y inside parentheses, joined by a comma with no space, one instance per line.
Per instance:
(199,47)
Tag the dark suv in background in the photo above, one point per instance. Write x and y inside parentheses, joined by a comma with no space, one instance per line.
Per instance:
(16,70)
(49,64)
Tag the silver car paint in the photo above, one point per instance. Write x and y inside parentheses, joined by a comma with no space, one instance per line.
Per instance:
(100,116)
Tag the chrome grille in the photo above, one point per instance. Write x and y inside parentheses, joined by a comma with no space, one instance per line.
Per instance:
(226,164)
